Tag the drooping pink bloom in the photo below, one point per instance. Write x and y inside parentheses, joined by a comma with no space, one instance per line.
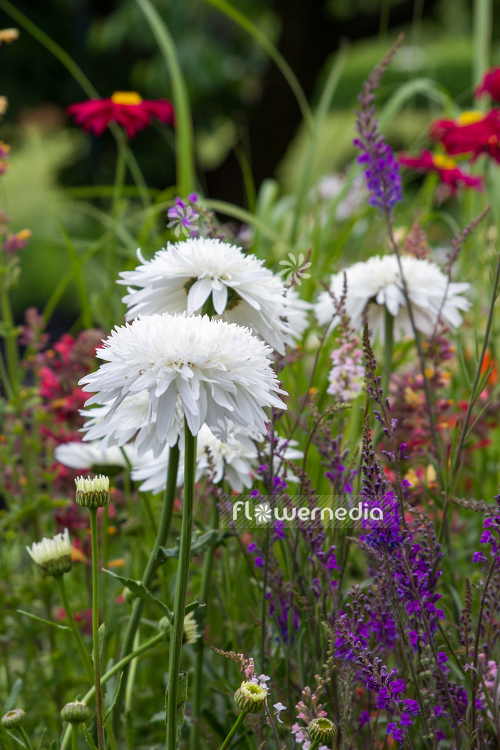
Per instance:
(126,108)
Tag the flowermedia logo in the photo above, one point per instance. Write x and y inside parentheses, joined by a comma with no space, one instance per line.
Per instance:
(341,511)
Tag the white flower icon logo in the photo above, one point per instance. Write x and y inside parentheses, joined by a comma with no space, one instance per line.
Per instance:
(295,269)
(263,513)
(226,431)
(183,219)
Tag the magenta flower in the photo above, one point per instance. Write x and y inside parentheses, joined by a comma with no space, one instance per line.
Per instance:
(126,108)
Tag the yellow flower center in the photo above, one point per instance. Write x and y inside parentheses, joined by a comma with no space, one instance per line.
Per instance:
(130,98)
(443,162)
(467,118)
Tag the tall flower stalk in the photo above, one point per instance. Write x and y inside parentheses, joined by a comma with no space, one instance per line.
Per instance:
(94,494)
(181,586)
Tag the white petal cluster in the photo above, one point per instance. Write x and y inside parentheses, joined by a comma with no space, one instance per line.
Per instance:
(86,485)
(219,371)
(49,550)
(78,455)
(378,281)
(184,275)
(112,426)
(234,460)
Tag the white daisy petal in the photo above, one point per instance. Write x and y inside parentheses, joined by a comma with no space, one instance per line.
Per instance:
(184,275)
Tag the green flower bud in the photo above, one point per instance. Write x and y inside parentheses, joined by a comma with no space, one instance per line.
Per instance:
(52,556)
(75,712)
(92,493)
(13,719)
(250,697)
(323,730)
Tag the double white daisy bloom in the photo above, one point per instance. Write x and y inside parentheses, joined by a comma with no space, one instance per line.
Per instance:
(184,276)
(376,285)
(218,370)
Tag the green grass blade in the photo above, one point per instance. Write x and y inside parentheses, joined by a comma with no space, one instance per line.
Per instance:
(321,112)
(184,146)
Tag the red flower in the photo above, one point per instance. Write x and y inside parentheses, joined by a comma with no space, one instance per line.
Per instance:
(472,132)
(490,84)
(446,168)
(126,108)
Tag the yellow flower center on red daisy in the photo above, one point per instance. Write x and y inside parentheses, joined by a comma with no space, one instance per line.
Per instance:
(469,117)
(443,162)
(130,98)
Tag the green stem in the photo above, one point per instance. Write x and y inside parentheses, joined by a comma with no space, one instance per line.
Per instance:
(95,625)
(237,724)
(129,692)
(181,586)
(111,672)
(25,737)
(314,745)
(198,674)
(388,347)
(74,737)
(161,537)
(78,636)
(10,342)
(481,38)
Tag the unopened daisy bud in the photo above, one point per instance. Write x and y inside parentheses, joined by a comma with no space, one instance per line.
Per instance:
(190,632)
(92,493)
(76,712)
(13,719)
(52,556)
(322,729)
(250,697)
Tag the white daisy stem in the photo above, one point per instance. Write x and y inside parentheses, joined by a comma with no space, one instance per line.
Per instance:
(153,562)
(78,637)
(388,347)
(204,592)
(314,745)
(237,724)
(181,586)
(95,625)
(115,669)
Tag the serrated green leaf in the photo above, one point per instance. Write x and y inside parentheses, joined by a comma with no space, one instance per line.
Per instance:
(182,687)
(90,741)
(101,637)
(199,545)
(138,588)
(45,622)
(11,701)
(115,698)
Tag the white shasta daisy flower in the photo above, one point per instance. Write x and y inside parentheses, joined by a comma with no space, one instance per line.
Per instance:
(53,556)
(117,426)
(183,276)
(219,371)
(78,455)
(378,281)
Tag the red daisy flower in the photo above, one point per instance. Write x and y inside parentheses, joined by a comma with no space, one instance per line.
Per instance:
(490,84)
(446,168)
(473,132)
(126,108)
